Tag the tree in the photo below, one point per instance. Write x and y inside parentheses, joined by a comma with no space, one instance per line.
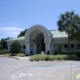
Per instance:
(0,46)
(22,33)
(15,47)
(66,23)
(76,32)
(3,43)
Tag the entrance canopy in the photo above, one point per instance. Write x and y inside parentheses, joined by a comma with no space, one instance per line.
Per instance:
(35,30)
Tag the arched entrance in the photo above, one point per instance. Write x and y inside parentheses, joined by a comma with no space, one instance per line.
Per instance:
(37,39)
(40,43)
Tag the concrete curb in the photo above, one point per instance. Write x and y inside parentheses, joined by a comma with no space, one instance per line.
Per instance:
(10,57)
(14,57)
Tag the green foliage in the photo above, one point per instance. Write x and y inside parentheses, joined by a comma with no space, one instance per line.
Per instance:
(0,46)
(48,52)
(3,44)
(45,57)
(70,23)
(20,54)
(77,53)
(3,51)
(15,47)
(7,54)
(22,33)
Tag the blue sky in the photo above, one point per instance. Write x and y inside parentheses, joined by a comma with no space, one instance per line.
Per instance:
(17,15)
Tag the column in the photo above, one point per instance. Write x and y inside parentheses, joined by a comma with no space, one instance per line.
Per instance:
(48,44)
(34,49)
(9,48)
(47,47)
(28,49)
(52,48)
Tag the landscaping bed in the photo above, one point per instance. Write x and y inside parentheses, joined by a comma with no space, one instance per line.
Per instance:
(44,57)
(6,53)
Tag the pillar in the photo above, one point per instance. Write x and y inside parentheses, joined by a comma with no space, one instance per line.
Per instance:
(52,48)
(47,47)
(9,48)
(34,49)
(28,49)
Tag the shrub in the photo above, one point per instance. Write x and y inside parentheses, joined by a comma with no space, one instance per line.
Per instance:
(57,57)
(77,53)
(20,54)
(48,52)
(31,59)
(7,54)
(15,47)
(45,57)
(72,57)
(3,51)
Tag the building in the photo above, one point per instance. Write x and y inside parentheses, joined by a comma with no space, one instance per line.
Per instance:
(38,38)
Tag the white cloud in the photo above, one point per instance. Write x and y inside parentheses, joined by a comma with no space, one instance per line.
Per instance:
(13,33)
(15,24)
(11,29)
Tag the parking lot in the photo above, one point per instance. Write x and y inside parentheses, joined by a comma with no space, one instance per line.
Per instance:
(13,69)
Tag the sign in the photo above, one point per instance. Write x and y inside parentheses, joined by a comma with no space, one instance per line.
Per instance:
(42,52)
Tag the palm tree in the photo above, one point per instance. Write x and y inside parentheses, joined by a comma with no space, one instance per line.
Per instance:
(66,23)
(75,35)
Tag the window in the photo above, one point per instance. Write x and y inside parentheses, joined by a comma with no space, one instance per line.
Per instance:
(72,45)
(65,45)
(24,47)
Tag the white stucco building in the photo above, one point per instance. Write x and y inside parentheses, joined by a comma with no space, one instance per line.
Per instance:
(38,38)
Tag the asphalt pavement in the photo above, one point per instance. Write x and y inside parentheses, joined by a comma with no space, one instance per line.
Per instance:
(13,69)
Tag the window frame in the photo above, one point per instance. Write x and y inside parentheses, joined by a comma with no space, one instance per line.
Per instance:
(65,47)
(71,44)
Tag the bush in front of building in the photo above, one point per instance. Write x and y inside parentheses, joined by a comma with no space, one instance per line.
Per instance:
(77,53)
(45,57)
(15,47)
(3,51)
(48,52)
(21,54)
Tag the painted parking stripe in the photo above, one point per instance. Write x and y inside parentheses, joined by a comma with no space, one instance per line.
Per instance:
(42,67)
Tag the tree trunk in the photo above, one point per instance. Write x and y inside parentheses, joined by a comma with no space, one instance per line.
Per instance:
(68,43)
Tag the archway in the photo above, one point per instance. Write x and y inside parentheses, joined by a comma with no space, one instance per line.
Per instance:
(32,39)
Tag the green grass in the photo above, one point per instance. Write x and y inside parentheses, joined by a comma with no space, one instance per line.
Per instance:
(45,57)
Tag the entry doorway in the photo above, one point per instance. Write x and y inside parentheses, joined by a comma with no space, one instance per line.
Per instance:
(42,45)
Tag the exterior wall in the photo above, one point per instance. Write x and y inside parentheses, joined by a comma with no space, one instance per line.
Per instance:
(22,43)
(64,49)
(60,42)
(53,45)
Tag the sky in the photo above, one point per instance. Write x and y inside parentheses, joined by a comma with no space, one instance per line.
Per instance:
(18,15)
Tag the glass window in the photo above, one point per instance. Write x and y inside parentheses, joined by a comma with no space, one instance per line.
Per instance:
(24,47)
(72,45)
(65,46)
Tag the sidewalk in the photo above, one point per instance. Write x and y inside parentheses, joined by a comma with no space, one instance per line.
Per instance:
(22,58)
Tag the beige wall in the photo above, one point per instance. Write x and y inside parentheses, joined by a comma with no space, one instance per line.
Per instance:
(55,42)
(64,49)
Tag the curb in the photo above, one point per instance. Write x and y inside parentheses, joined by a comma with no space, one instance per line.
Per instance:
(13,57)
(10,57)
